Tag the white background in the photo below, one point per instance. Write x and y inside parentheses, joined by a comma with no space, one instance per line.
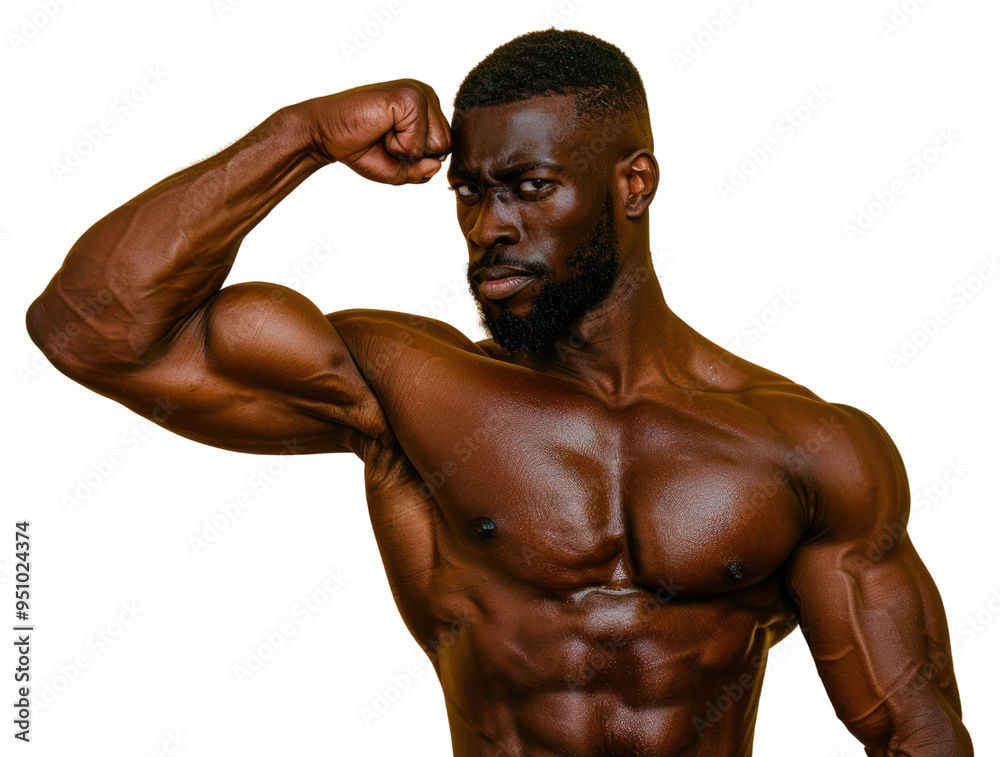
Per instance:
(723,262)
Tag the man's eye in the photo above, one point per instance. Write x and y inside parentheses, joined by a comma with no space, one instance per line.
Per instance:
(535,189)
(466,191)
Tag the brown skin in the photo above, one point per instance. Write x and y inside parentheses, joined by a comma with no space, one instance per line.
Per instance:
(662,511)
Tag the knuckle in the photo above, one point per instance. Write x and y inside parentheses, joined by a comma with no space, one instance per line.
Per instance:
(411,94)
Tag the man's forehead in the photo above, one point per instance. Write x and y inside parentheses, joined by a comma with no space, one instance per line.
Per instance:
(551,104)
(526,131)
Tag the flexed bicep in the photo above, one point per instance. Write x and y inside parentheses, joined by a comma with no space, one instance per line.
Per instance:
(258,369)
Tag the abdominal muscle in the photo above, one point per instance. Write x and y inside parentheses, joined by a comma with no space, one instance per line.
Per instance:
(601,672)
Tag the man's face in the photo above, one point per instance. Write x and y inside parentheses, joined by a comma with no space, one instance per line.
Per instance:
(538,219)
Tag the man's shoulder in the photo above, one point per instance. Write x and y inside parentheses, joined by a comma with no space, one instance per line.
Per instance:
(391,347)
(843,456)
(840,446)
(791,407)
(384,329)
(825,430)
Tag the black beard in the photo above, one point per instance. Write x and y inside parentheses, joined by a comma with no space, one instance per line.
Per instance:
(558,304)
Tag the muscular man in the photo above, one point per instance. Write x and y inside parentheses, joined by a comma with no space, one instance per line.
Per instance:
(597,522)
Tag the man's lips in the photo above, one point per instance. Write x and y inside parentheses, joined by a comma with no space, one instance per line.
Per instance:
(500,281)
(497,289)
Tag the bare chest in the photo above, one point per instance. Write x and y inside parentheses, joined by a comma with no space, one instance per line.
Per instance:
(696,500)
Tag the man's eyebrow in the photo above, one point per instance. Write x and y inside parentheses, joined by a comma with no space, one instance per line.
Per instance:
(459,171)
(505,173)
(512,172)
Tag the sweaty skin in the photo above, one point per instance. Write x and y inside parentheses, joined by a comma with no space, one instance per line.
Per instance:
(596,542)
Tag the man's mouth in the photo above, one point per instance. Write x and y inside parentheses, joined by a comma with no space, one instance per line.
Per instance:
(498,282)
(498,289)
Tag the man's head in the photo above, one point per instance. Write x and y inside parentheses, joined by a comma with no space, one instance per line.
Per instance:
(553,170)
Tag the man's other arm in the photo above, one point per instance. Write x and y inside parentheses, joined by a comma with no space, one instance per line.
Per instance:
(138,313)
(869,609)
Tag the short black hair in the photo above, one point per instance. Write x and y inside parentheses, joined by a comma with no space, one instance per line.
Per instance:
(555,62)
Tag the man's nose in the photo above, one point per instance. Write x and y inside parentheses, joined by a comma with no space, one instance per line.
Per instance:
(496,224)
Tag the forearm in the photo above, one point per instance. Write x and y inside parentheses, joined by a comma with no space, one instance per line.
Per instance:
(140,271)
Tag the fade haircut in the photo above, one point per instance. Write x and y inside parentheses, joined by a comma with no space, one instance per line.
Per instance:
(553,62)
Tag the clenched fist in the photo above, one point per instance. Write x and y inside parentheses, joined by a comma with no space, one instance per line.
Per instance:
(393,132)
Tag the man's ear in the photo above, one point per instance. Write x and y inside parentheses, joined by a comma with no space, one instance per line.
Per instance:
(640,178)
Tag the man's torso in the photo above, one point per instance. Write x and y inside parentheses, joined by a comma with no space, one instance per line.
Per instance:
(590,576)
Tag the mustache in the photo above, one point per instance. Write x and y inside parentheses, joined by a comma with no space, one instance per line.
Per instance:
(532,267)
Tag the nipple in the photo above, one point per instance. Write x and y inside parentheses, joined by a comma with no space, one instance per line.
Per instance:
(736,571)
(485,527)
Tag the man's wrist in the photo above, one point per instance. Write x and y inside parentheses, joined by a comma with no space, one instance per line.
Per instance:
(298,123)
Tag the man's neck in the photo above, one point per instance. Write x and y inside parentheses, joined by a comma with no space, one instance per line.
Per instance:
(629,341)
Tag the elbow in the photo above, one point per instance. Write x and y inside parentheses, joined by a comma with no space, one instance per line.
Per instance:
(54,339)
(41,332)
(950,739)
(927,737)
(67,344)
